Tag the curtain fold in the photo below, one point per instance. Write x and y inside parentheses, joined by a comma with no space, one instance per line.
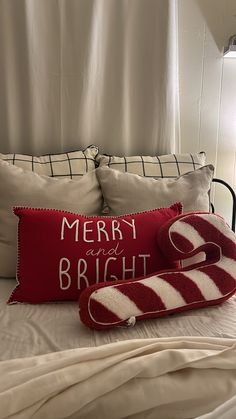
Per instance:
(80,72)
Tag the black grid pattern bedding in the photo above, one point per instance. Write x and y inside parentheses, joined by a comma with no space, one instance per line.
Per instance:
(166,166)
(65,165)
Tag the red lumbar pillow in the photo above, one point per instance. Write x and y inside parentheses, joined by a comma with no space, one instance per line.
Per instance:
(61,253)
(206,283)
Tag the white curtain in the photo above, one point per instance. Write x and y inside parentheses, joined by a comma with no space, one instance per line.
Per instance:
(80,72)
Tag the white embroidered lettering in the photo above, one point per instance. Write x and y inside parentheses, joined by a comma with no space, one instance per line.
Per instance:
(114,251)
(103,252)
(75,223)
(115,229)
(81,272)
(87,230)
(101,229)
(106,268)
(128,269)
(91,252)
(64,277)
(144,263)
(97,271)
(132,225)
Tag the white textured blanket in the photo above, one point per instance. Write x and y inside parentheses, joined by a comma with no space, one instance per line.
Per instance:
(164,378)
(27,329)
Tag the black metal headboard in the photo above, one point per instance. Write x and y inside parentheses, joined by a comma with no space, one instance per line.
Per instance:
(222,182)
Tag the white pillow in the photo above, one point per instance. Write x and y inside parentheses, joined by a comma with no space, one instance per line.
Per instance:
(70,165)
(168,165)
(20,187)
(128,193)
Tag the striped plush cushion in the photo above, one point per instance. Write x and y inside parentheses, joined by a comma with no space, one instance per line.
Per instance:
(166,166)
(207,283)
(65,165)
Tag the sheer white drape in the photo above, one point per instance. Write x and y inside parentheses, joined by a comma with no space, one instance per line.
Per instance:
(77,72)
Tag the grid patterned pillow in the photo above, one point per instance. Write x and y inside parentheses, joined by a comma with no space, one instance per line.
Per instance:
(65,165)
(166,166)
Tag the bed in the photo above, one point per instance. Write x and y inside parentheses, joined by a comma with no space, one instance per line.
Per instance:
(28,330)
(53,366)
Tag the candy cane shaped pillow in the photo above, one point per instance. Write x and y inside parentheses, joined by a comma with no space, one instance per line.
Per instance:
(209,282)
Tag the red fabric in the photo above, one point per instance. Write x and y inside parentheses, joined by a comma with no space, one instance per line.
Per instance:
(61,253)
(207,283)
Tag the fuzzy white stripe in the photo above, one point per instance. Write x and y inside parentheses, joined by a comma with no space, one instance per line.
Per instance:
(188,232)
(168,294)
(228,265)
(220,224)
(116,302)
(205,284)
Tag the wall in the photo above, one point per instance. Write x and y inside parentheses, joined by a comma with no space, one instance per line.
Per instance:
(208,88)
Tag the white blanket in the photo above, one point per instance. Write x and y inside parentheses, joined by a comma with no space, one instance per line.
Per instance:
(226,410)
(27,330)
(165,378)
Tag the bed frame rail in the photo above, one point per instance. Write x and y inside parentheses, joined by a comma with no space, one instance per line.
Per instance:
(222,182)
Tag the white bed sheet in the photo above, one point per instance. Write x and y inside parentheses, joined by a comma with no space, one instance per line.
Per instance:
(27,330)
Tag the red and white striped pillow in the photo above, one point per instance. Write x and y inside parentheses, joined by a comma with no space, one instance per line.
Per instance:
(206,283)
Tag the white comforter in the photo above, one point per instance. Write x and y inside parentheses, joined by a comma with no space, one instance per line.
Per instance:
(121,373)
(226,410)
(27,330)
(164,378)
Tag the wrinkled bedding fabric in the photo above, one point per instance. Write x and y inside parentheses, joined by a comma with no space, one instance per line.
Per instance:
(27,330)
(51,366)
(226,410)
(168,378)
